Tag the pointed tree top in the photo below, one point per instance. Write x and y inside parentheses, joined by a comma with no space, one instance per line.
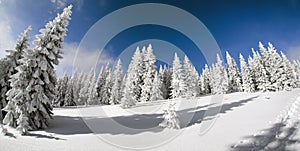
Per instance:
(119,61)
(26,32)
(175,55)
(186,59)
(206,66)
(143,49)
(68,10)
(283,55)
(137,49)
(241,56)
(227,54)
(261,46)
(149,47)
(160,69)
(219,58)
(271,45)
(253,52)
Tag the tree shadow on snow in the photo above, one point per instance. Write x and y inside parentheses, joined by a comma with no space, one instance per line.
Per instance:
(11,135)
(44,136)
(135,124)
(276,138)
(199,115)
(67,125)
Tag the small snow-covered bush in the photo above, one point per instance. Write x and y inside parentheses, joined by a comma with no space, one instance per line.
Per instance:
(3,130)
(170,117)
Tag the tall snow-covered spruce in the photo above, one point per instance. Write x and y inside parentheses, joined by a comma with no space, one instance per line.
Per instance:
(33,86)
(148,77)
(219,81)
(116,92)
(61,90)
(206,87)
(177,85)
(190,79)
(287,80)
(165,76)
(156,93)
(104,85)
(247,81)
(84,92)
(234,77)
(9,64)
(133,83)
(91,93)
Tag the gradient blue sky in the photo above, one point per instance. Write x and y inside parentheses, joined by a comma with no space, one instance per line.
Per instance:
(237,25)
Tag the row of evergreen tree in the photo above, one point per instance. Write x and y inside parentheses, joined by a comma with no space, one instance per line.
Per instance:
(266,70)
(28,78)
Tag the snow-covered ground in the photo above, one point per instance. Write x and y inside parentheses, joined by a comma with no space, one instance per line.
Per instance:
(244,121)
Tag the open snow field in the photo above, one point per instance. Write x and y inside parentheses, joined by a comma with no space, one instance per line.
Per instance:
(245,120)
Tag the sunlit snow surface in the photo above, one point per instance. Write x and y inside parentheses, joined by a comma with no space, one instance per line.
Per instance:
(247,121)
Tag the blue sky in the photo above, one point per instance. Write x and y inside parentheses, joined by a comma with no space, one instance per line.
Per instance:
(236,25)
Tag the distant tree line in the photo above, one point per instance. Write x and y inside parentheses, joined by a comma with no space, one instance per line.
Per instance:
(265,70)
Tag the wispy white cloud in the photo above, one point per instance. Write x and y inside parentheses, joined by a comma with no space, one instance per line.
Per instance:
(82,60)
(6,35)
(63,3)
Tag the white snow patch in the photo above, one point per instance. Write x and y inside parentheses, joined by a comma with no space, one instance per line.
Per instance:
(241,115)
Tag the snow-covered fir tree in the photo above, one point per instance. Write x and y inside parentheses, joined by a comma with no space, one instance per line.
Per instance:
(41,61)
(117,84)
(178,85)
(156,93)
(170,117)
(287,80)
(8,65)
(107,87)
(201,85)
(149,60)
(247,81)
(258,72)
(266,64)
(275,68)
(61,89)
(33,86)
(234,77)
(103,85)
(133,82)
(19,97)
(252,73)
(165,75)
(206,83)
(91,93)
(84,92)
(69,97)
(75,85)
(80,84)
(101,82)
(190,79)
(219,80)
